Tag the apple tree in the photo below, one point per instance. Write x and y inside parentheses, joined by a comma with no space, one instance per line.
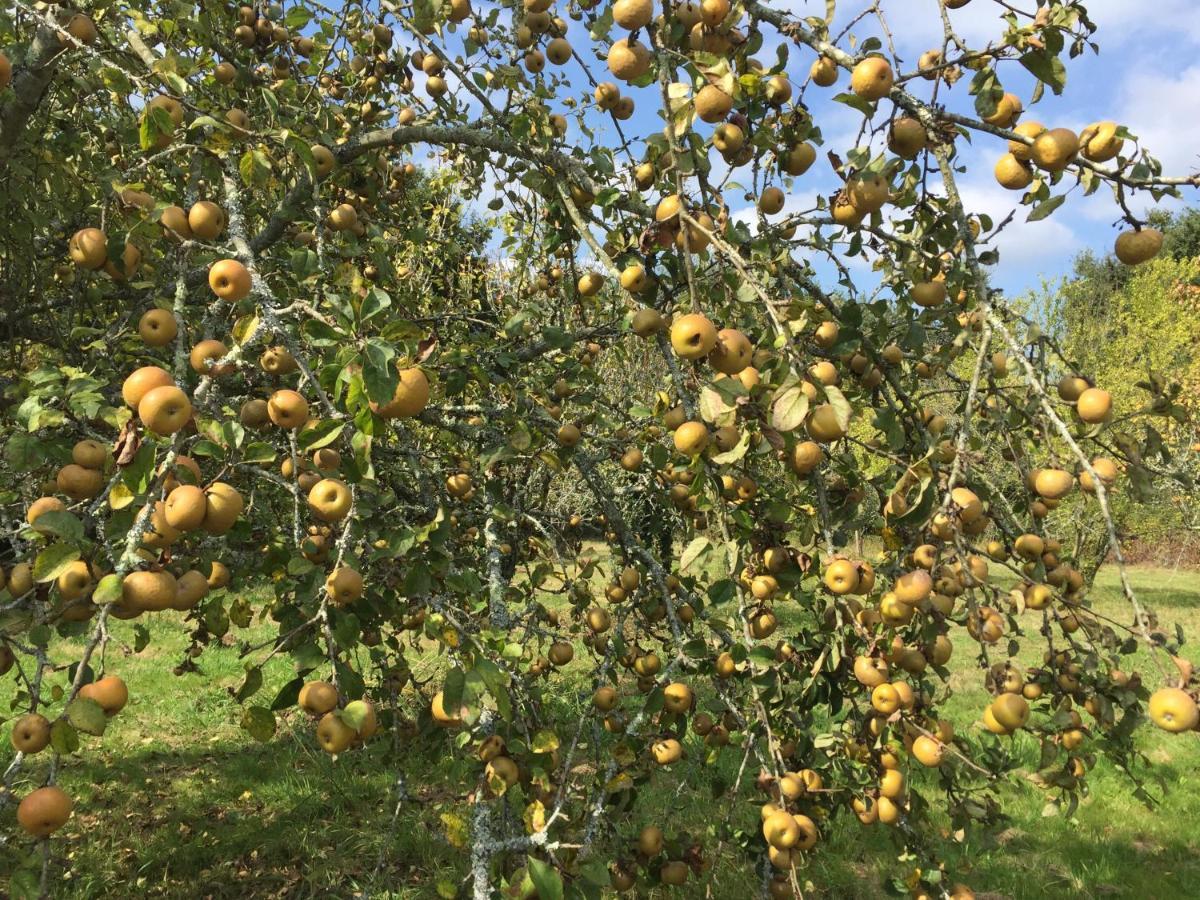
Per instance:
(556,342)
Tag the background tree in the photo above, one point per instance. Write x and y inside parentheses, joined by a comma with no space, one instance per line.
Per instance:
(1131,329)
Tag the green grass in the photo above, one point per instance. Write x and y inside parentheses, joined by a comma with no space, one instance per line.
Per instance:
(175,800)
(1114,845)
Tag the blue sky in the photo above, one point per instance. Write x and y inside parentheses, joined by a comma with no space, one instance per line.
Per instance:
(1146,77)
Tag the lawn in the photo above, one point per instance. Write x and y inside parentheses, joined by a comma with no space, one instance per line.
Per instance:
(175,800)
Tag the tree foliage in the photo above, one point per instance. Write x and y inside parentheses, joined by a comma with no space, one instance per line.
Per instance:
(1128,328)
(614,437)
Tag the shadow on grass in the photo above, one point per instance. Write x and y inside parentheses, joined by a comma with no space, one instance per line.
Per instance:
(1162,599)
(283,820)
(1059,861)
(259,820)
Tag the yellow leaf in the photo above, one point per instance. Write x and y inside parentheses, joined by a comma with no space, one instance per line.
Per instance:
(624,754)
(457,832)
(620,782)
(120,496)
(535,817)
(497,784)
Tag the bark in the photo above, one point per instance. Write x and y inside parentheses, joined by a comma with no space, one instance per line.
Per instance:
(29,86)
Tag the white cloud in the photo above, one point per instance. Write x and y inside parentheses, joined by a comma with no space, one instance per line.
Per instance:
(795,202)
(1118,21)
(1022,245)
(1163,110)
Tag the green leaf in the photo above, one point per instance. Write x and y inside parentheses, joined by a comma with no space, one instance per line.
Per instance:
(520,438)
(452,689)
(1036,214)
(271,100)
(203,122)
(496,681)
(379,373)
(250,685)
(214,617)
(240,612)
(356,714)
(115,80)
(298,565)
(603,24)
(320,435)
(53,561)
(23,452)
(232,433)
(1046,67)
(374,303)
(177,84)
(789,409)
(258,452)
(762,656)
(288,695)
(138,473)
(866,107)
(346,629)
(987,92)
(108,590)
(60,523)
(207,448)
(73,670)
(919,510)
(841,406)
(259,722)
(25,883)
(697,548)
(350,681)
(297,17)
(305,264)
(156,121)
(545,741)
(246,327)
(417,581)
(250,168)
(63,737)
(516,322)
(87,715)
(546,879)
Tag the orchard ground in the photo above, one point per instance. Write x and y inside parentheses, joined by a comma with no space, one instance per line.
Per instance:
(176,800)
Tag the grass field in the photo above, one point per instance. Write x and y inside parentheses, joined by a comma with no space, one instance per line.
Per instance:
(177,801)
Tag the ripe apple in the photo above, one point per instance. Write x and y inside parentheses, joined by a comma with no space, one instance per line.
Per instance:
(157,327)
(164,410)
(31,733)
(44,811)
(109,692)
